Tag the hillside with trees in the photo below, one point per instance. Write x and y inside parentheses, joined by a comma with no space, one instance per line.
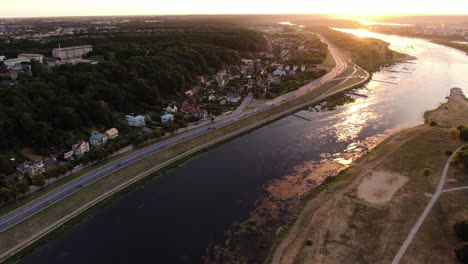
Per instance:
(137,73)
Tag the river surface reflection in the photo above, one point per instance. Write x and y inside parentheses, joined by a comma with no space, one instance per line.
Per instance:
(247,188)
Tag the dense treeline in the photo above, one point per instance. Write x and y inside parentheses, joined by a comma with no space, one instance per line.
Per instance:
(238,39)
(140,72)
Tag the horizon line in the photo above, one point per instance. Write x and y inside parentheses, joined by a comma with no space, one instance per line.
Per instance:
(241,14)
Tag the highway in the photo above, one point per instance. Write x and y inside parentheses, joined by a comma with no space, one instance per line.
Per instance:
(24,212)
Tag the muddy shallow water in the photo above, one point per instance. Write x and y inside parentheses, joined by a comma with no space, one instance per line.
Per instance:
(246,189)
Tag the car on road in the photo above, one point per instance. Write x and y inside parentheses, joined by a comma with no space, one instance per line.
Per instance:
(47,203)
(162,147)
(79,186)
(284,99)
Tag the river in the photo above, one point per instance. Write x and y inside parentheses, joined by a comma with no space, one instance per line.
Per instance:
(247,188)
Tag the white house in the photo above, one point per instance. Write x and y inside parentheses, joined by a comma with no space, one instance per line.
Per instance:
(32,56)
(136,121)
(167,118)
(303,68)
(80,148)
(279,73)
(2,58)
(233,97)
(212,97)
(97,139)
(171,108)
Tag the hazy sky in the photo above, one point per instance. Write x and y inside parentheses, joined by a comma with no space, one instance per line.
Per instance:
(21,8)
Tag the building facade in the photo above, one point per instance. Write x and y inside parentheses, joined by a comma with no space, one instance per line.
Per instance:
(71,52)
(97,139)
(32,56)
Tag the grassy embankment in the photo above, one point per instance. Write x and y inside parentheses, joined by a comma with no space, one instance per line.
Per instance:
(345,226)
(24,230)
(449,43)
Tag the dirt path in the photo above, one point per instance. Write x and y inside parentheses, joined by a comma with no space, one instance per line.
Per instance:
(426,211)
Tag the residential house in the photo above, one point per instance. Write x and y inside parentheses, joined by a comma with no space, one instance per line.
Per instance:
(189,109)
(31,168)
(295,67)
(167,118)
(80,148)
(171,108)
(32,56)
(279,73)
(97,139)
(136,121)
(212,97)
(189,101)
(233,98)
(2,58)
(68,155)
(303,67)
(112,133)
(49,163)
(15,176)
(146,130)
(200,113)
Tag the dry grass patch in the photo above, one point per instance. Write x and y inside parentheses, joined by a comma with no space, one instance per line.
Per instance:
(380,186)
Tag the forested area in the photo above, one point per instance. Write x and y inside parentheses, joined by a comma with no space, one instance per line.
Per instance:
(139,73)
(369,53)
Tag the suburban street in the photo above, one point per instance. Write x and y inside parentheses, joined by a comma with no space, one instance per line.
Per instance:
(24,212)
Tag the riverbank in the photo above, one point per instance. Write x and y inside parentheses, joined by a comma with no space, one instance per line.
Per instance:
(448,43)
(41,223)
(366,215)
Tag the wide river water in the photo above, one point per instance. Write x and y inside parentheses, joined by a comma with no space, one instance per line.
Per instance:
(245,189)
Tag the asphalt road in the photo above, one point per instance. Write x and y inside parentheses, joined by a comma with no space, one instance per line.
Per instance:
(24,212)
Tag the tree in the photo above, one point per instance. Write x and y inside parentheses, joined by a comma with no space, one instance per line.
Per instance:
(22,186)
(462,253)
(38,180)
(427,172)
(461,229)
(464,133)
(5,194)
(454,133)
(172,127)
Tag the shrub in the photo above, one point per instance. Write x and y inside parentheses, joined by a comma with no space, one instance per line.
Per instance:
(309,242)
(462,252)
(427,172)
(448,152)
(461,229)
(454,133)
(433,123)
(460,127)
(464,134)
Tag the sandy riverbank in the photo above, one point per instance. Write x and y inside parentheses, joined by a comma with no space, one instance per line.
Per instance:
(365,217)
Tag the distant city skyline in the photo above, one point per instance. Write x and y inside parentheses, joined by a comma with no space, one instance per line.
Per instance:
(34,8)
